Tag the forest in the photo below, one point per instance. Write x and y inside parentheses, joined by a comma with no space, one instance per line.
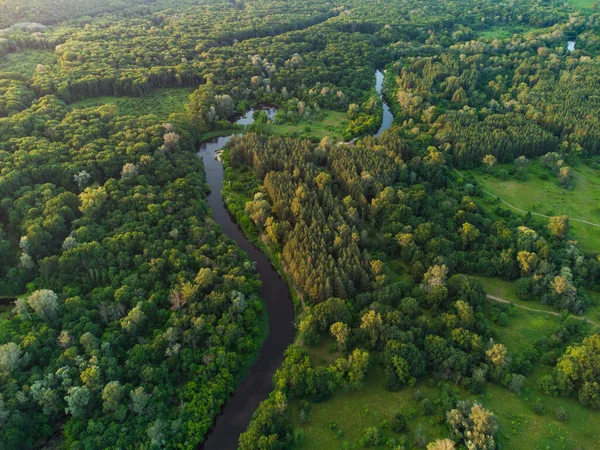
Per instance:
(446,291)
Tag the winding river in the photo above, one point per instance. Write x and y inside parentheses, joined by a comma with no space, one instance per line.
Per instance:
(257,385)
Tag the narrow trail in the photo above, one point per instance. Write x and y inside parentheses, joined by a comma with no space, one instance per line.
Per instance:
(525,211)
(495,298)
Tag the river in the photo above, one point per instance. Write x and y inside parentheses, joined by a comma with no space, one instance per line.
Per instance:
(388,117)
(257,385)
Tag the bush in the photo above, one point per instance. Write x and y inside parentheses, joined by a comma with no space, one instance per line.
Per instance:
(547,385)
(502,319)
(538,407)
(428,407)
(561,414)
(398,423)
(372,437)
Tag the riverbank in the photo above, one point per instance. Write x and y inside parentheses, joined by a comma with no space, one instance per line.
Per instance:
(257,384)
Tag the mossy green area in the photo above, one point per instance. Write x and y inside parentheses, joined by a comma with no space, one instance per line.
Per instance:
(507,290)
(25,62)
(504,31)
(520,427)
(332,124)
(539,192)
(161,103)
(340,422)
(583,4)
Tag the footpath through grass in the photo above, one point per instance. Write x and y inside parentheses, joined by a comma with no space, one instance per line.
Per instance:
(507,290)
(540,193)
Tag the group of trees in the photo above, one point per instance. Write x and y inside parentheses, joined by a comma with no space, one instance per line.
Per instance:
(419,215)
(394,201)
(141,313)
(524,96)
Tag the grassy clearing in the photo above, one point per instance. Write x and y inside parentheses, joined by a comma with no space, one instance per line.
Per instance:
(333,124)
(583,4)
(501,32)
(524,327)
(506,290)
(520,428)
(340,422)
(354,411)
(545,196)
(162,102)
(26,61)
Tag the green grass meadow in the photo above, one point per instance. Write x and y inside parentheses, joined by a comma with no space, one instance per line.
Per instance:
(26,61)
(583,4)
(162,102)
(545,196)
(333,125)
(339,423)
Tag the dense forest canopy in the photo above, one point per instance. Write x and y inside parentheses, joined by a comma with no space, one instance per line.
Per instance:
(133,316)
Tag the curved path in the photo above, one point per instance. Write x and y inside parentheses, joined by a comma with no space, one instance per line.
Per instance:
(495,298)
(525,211)
(538,214)
(257,385)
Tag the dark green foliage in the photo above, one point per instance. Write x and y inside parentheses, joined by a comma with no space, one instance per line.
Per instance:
(398,423)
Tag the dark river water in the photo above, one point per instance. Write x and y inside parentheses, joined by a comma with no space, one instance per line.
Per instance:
(258,384)
(388,117)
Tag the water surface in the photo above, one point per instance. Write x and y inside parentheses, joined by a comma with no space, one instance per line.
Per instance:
(388,117)
(258,384)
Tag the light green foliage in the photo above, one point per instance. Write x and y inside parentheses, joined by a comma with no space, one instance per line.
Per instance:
(545,196)
(162,103)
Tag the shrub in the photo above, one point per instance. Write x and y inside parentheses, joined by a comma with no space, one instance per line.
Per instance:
(398,423)
(428,407)
(538,407)
(372,437)
(561,414)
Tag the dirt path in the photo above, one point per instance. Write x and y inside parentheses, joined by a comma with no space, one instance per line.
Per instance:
(495,298)
(525,211)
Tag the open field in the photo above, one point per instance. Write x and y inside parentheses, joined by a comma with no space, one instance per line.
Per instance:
(333,124)
(162,102)
(348,414)
(545,196)
(506,290)
(503,31)
(26,61)
(520,427)
(583,4)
